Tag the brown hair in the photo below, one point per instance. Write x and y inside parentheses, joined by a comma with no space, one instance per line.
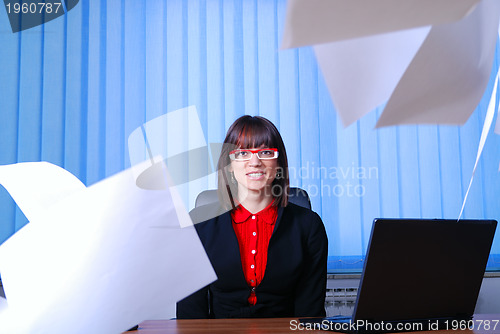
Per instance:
(250,132)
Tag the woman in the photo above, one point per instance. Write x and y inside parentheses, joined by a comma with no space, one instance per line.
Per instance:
(269,255)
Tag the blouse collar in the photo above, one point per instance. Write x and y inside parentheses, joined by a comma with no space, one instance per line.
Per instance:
(269,214)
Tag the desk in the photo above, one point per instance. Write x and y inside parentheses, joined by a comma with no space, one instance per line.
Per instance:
(267,326)
(219,326)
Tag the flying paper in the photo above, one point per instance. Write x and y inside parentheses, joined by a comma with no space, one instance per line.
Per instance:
(373,57)
(310,22)
(448,76)
(100,260)
(490,113)
(362,73)
(177,140)
(35,186)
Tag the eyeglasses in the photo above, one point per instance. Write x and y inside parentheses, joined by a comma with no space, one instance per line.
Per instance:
(262,154)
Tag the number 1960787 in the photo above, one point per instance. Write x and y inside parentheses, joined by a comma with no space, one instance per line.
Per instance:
(473,324)
(34,8)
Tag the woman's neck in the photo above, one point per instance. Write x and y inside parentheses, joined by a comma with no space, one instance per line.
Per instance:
(254,201)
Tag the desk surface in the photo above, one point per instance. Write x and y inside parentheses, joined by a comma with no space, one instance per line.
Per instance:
(218,326)
(280,325)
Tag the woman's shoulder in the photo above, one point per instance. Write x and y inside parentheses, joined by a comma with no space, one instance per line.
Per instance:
(300,211)
(304,220)
(302,215)
(206,213)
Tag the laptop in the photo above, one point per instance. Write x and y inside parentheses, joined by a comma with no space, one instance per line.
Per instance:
(419,274)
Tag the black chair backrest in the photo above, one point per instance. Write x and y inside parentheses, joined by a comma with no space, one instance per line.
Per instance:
(296,196)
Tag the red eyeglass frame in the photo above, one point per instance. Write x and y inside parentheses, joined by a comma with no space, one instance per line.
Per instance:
(254,152)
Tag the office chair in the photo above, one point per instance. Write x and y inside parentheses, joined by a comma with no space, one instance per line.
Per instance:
(296,196)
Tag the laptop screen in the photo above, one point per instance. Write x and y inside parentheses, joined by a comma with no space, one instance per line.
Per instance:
(423,269)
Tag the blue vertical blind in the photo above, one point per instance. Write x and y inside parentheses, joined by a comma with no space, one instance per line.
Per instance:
(74,89)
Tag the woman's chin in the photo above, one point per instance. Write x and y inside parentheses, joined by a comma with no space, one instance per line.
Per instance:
(256,187)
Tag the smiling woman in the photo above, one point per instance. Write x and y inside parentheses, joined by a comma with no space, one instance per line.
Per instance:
(269,255)
(253,165)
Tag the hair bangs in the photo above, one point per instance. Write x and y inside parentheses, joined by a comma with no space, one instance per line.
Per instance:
(254,136)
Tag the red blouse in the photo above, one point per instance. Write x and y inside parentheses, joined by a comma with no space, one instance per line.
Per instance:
(254,232)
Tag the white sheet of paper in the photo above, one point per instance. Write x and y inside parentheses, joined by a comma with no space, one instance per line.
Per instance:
(3,305)
(497,125)
(449,74)
(311,22)
(158,177)
(35,186)
(100,261)
(488,120)
(362,73)
(178,137)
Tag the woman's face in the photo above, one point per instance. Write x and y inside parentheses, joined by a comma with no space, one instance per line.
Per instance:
(255,175)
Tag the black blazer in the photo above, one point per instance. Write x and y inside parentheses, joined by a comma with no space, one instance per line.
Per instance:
(294,283)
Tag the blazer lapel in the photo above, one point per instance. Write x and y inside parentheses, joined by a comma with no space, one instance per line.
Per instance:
(232,244)
(278,220)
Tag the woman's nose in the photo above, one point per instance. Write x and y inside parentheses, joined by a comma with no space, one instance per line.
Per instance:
(254,160)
